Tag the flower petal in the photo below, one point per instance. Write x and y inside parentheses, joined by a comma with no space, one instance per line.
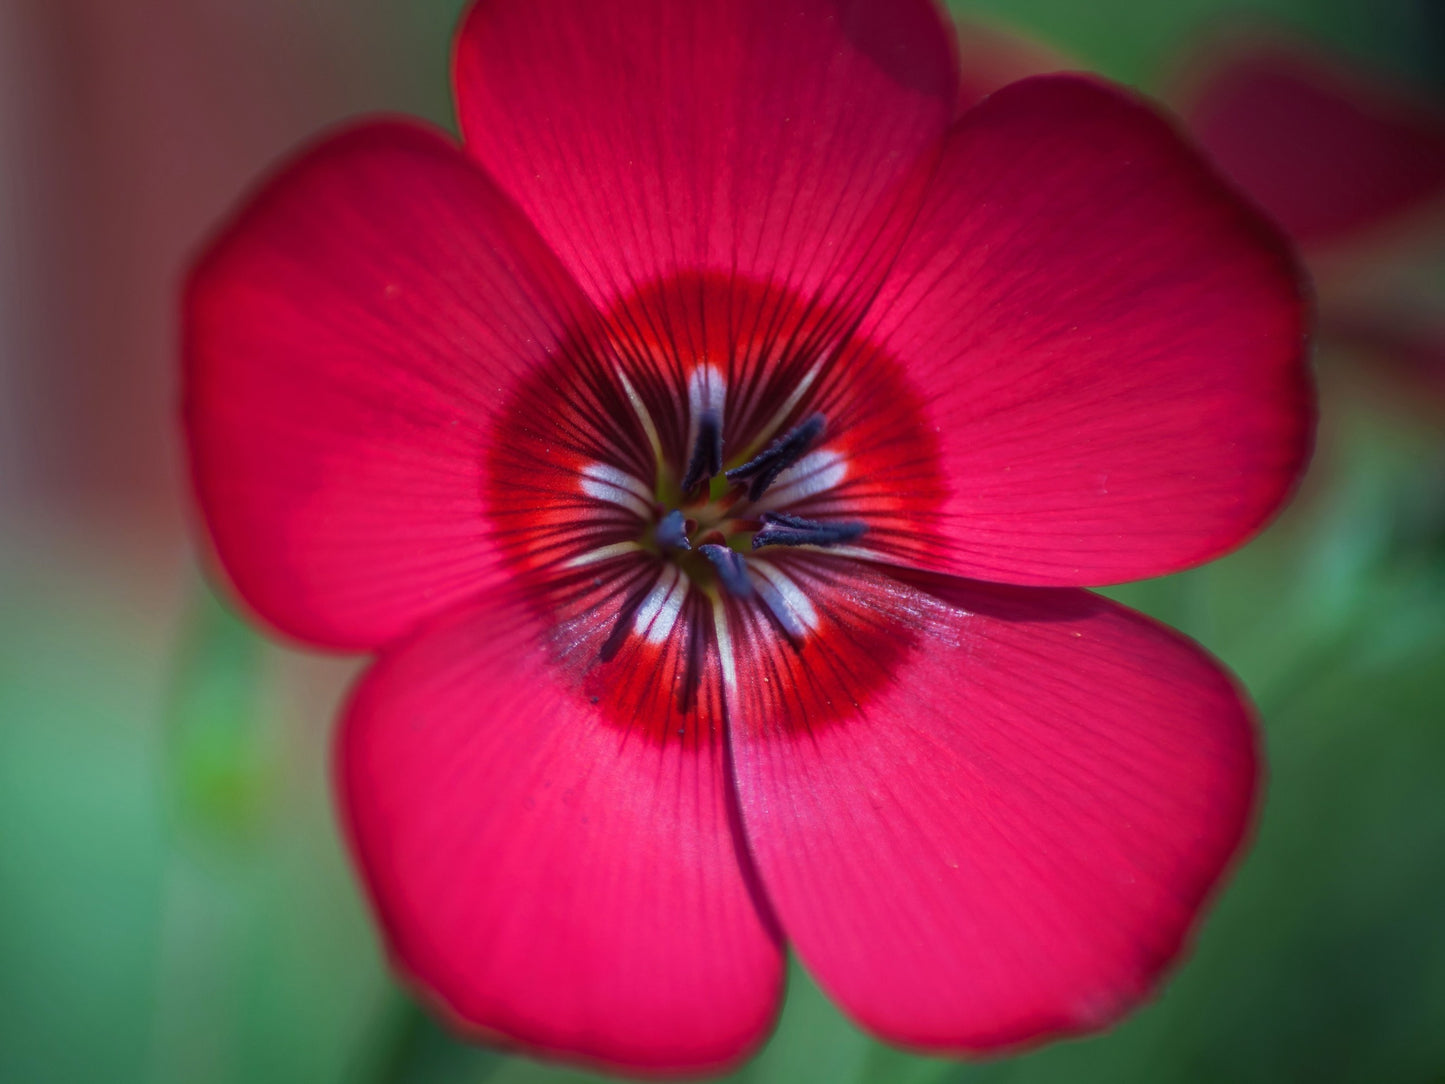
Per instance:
(544,872)
(1113,344)
(785,143)
(1011,837)
(1328,153)
(345,339)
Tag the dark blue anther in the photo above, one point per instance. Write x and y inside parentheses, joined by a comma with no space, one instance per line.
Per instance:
(672,531)
(780,529)
(732,569)
(763,469)
(706,451)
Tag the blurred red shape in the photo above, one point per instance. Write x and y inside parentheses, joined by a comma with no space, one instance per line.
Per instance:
(1353,166)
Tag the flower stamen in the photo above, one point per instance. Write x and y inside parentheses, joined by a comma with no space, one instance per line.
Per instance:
(706,457)
(780,529)
(763,469)
(731,568)
(706,397)
(672,531)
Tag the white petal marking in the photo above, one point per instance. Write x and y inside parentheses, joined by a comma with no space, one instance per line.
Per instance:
(670,609)
(607,483)
(817,472)
(653,602)
(862,553)
(604,472)
(785,598)
(659,610)
(640,409)
(725,647)
(602,553)
(707,389)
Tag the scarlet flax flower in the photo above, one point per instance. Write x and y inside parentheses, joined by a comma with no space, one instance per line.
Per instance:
(712,447)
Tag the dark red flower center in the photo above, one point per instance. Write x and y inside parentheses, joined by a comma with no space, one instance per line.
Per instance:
(691,490)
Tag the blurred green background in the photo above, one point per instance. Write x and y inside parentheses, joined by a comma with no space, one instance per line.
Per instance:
(174,902)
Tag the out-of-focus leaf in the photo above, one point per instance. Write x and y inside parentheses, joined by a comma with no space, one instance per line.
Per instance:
(219,766)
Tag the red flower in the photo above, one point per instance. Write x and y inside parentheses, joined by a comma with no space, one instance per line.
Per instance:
(1354,169)
(711,449)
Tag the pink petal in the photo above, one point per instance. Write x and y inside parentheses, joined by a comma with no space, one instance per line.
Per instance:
(345,338)
(545,873)
(1012,836)
(782,143)
(1327,152)
(1114,346)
